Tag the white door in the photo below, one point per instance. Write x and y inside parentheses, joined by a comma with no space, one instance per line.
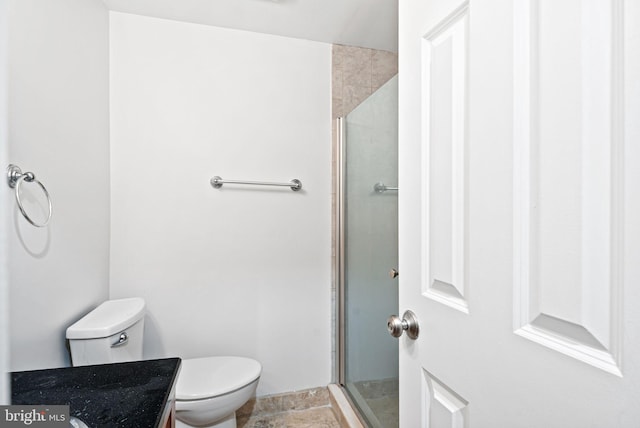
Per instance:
(520,213)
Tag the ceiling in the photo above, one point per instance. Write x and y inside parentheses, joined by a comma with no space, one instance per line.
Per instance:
(364,23)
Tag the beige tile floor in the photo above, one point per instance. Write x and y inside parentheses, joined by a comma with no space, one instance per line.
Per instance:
(318,417)
(312,409)
(304,409)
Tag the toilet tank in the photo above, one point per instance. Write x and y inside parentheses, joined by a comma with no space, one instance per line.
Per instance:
(111,333)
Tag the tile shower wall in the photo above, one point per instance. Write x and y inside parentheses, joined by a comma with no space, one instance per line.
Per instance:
(358,73)
(238,270)
(59,129)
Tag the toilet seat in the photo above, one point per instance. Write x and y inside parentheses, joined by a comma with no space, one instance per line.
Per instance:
(203,378)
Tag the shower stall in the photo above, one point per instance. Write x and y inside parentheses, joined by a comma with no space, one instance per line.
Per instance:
(367,255)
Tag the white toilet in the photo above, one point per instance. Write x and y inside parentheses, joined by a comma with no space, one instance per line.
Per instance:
(209,390)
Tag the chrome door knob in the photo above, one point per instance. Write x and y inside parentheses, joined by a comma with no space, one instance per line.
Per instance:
(408,323)
(393,274)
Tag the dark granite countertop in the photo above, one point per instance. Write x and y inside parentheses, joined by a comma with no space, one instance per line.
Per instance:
(121,395)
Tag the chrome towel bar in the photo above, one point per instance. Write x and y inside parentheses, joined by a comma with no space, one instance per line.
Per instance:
(294,184)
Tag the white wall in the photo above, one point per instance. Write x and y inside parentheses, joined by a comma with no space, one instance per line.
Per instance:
(58,128)
(240,270)
(4,195)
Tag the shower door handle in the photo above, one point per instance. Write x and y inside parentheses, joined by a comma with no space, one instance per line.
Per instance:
(408,323)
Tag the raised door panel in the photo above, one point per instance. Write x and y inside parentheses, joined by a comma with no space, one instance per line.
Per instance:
(568,177)
(444,408)
(444,163)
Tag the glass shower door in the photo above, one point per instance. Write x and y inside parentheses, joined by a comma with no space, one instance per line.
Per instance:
(370,255)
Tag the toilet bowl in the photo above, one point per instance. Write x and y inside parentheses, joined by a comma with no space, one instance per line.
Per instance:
(209,390)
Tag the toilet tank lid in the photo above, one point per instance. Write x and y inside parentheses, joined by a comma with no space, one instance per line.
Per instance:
(111,317)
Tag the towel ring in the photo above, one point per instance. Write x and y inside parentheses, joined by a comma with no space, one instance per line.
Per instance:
(15,178)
